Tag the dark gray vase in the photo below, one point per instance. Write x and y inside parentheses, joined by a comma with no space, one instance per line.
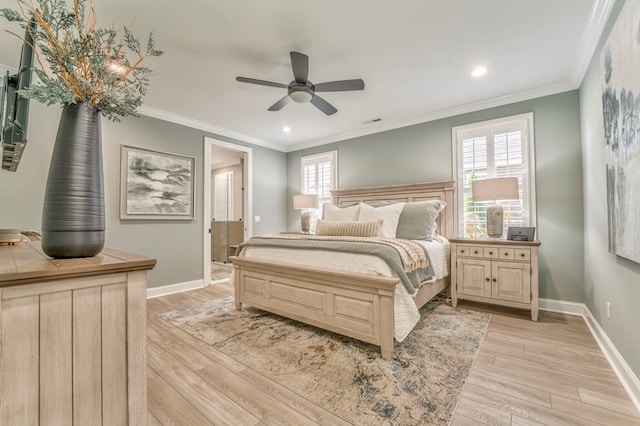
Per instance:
(73,214)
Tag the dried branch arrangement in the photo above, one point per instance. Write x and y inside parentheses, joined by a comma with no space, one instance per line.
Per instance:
(79,62)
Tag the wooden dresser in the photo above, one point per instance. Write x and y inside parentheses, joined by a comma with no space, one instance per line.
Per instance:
(72,338)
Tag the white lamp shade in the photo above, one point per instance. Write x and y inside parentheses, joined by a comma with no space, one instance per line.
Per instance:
(494,189)
(305,201)
(300,96)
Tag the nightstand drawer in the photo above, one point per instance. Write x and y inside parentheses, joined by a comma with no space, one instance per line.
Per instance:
(490,252)
(469,251)
(522,254)
(506,253)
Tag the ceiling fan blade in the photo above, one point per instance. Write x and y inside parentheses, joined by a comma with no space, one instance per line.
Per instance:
(323,105)
(300,66)
(339,86)
(261,82)
(280,104)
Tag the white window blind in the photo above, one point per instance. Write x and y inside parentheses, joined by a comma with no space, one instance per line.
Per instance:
(496,148)
(223,196)
(319,176)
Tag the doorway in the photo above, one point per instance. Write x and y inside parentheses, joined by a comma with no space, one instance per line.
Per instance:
(227,205)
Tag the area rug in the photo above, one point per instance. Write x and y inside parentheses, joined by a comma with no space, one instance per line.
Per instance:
(420,386)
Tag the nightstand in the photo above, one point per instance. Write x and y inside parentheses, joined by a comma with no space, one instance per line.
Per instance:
(500,272)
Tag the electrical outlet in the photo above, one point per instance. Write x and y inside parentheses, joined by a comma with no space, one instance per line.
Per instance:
(609,310)
(257,219)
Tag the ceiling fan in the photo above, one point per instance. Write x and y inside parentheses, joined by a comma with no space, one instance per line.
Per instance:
(301,90)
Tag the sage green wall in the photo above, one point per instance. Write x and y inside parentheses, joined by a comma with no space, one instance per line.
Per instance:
(423,152)
(177,245)
(608,278)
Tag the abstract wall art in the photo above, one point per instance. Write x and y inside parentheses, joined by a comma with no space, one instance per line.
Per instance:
(156,185)
(621,112)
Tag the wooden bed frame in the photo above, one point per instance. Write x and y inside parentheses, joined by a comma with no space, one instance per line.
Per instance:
(361,307)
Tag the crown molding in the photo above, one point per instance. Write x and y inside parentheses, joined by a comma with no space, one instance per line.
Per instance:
(591,37)
(444,113)
(171,117)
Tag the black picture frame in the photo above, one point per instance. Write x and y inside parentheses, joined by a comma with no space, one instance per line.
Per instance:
(156,185)
(521,233)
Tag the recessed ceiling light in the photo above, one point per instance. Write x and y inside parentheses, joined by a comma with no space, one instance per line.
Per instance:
(117,68)
(479,71)
(286,129)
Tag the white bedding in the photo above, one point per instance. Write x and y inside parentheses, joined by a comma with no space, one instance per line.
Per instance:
(406,312)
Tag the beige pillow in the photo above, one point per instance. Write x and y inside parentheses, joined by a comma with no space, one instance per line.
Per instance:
(390,214)
(368,228)
(341,214)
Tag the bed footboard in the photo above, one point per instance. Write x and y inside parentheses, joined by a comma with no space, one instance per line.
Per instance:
(353,305)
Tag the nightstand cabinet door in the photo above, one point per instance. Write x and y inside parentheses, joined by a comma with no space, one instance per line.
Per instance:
(511,281)
(474,277)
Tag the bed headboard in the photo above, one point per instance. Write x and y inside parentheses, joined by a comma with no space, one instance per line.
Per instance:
(404,193)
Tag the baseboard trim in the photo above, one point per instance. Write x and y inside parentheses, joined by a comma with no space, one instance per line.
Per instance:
(174,288)
(561,306)
(620,367)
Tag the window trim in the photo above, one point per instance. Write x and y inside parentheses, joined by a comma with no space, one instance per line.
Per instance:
(334,159)
(531,166)
(313,158)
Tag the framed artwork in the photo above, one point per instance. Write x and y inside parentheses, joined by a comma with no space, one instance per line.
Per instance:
(521,233)
(621,112)
(156,185)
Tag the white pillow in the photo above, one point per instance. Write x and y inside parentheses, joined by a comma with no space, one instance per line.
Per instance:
(341,214)
(390,216)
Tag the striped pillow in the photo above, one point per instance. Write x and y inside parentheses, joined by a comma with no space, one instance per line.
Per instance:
(365,228)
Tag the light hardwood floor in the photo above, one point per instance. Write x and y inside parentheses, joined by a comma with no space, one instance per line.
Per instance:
(550,372)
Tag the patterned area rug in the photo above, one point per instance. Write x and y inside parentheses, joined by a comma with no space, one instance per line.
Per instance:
(421,386)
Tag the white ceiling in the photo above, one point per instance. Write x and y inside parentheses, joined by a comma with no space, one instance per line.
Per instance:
(414,56)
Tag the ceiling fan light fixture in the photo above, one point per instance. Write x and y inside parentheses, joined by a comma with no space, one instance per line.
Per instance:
(301,90)
(300,95)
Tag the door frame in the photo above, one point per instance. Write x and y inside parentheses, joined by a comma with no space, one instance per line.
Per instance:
(209,143)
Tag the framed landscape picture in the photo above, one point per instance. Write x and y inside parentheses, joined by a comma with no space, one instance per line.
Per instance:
(156,185)
(621,112)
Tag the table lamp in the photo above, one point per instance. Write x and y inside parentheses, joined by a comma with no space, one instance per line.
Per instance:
(495,189)
(305,202)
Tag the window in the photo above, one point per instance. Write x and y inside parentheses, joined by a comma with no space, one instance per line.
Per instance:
(489,149)
(319,176)
(223,196)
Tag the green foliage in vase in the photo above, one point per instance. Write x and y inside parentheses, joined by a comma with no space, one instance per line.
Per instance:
(79,62)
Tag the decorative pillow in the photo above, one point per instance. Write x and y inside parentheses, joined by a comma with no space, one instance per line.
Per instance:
(369,228)
(418,220)
(341,213)
(389,214)
(379,203)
